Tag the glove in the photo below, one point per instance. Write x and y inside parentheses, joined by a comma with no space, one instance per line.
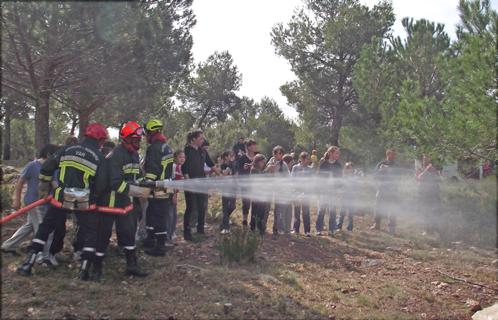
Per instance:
(43,189)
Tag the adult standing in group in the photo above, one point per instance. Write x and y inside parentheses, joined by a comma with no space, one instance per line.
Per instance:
(193,168)
(243,168)
(329,167)
(386,174)
(277,167)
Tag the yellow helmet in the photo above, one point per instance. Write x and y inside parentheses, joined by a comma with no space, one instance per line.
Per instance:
(153,125)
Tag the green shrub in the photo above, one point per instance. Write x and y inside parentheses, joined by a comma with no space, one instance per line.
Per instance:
(239,246)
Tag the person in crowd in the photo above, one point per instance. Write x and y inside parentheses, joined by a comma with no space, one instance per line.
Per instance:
(386,172)
(80,167)
(228,204)
(208,169)
(259,208)
(302,205)
(196,203)
(29,177)
(276,166)
(158,165)
(179,160)
(348,196)
(122,169)
(243,168)
(314,159)
(107,147)
(331,168)
(429,193)
(286,214)
(239,149)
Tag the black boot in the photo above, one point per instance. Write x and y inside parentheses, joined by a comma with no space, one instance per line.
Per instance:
(25,268)
(97,269)
(187,235)
(160,249)
(132,268)
(150,240)
(85,269)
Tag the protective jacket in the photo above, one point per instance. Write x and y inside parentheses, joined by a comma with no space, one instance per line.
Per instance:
(121,168)
(79,166)
(158,161)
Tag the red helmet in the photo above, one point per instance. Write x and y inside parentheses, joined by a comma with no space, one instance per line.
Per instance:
(131,129)
(96,131)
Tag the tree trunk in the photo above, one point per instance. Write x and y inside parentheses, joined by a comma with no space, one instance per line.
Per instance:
(42,113)
(74,124)
(7,132)
(335,129)
(84,119)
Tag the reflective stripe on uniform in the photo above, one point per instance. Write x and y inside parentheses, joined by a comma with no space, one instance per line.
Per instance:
(86,177)
(44,177)
(78,166)
(129,247)
(131,168)
(161,233)
(99,254)
(131,171)
(62,174)
(39,241)
(122,187)
(88,249)
(164,164)
(80,160)
(112,200)
(57,192)
(150,176)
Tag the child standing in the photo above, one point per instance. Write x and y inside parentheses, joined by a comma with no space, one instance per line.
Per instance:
(228,204)
(278,167)
(179,160)
(259,208)
(302,169)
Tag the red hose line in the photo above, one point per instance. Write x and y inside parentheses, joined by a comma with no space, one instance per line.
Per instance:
(25,209)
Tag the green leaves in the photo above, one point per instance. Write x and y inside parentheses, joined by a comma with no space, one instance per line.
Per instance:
(435,95)
(322,44)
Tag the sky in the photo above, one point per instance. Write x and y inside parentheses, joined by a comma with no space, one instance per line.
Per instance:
(243,28)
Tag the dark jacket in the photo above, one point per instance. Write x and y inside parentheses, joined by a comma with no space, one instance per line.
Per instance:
(78,166)
(121,167)
(330,169)
(158,161)
(194,162)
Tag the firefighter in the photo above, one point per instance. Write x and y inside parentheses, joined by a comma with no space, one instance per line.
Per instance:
(122,169)
(158,166)
(79,172)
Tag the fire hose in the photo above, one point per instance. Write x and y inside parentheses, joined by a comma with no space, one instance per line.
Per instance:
(25,209)
(117,211)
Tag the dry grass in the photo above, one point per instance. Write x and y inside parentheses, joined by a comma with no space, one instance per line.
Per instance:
(359,275)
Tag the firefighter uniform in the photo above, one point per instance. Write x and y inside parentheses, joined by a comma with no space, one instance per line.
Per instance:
(79,172)
(158,166)
(121,169)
